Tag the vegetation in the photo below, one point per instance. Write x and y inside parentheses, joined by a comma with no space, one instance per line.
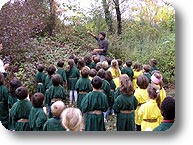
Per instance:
(42,32)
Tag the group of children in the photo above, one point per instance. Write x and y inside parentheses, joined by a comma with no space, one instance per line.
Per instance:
(134,94)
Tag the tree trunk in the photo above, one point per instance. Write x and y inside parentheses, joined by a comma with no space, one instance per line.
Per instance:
(52,17)
(118,13)
(108,17)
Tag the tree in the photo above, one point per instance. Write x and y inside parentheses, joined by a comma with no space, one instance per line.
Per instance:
(118,13)
(108,17)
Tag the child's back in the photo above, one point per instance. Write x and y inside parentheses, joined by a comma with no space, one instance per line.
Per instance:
(37,116)
(4,94)
(54,123)
(19,113)
(94,104)
(83,85)
(125,105)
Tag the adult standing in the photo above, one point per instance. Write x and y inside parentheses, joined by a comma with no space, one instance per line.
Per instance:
(102,45)
(3,66)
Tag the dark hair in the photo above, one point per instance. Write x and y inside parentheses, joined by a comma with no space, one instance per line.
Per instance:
(129,63)
(81,64)
(101,73)
(37,100)
(98,66)
(40,67)
(142,82)
(146,67)
(168,108)
(72,56)
(96,59)
(103,33)
(76,60)
(120,62)
(108,76)
(137,66)
(51,70)
(60,63)
(14,84)
(96,82)
(126,86)
(2,79)
(85,72)
(93,72)
(71,64)
(153,93)
(56,79)
(153,62)
(21,93)
(109,60)
(87,60)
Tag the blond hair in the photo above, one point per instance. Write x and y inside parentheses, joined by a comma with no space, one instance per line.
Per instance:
(72,119)
(126,86)
(57,108)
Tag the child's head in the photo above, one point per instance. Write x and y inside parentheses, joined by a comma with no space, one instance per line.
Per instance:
(105,65)
(108,76)
(154,93)
(60,64)
(98,66)
(120,62)
(101,73)
(109,60)
(142,82)
(37,100)
(81,64)
(51,70)
(146,68)
(57,108)
(87,59)
(156,79)
(72,119)
(71,63)
(168,108)
(129,63)
(56,79)
(85,72)
(137,66)
(114,63)
(96,59)
(93,73)
(2,79)
(21,93)
(40,67)
(96,82)
(126,86)
(153,62)
(14,84)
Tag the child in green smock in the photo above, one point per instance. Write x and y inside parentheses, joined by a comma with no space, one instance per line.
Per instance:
(40,79)
(54,123)
(94,104)
(56,92)
(19,113)
(73,75)
(48,80)
(125,105)
(128,70)
(37,116)
(14,84)
(83,85)
(62,73)
(4,110)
